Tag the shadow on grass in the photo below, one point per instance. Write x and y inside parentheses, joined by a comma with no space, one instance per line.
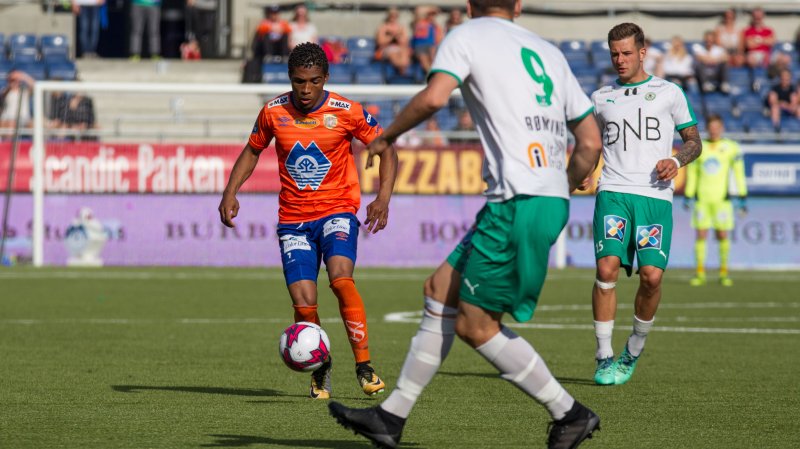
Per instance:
(469,374)
(204,390)
(578,381)
(251,440)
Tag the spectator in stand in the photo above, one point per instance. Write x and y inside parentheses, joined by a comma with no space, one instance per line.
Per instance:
(780,61)
(433,136)
(711,65)
(88,12)
(427,35)
(302,28)
(454,19)
(758,40)
(190,50)
(391,42)
(202,19)
(79,115)
(146,11)
(19,88)
(729,36)
(679,64)
(653,59)
(463,126)
(782,100)
(335,50)
(271,41)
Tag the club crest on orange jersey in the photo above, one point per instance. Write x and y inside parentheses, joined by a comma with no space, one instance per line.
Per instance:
(330,121)
(306,123)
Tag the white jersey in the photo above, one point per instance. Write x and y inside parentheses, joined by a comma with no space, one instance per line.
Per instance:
(638,123)
(521,94)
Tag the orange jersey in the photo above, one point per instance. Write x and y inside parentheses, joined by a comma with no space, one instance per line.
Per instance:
(315,157)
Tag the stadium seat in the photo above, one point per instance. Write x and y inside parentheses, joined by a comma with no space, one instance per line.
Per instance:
(601,59)
(361,50)
(274,73)
(24,55)
(759,124)
(733,124)
(598,45)
(36,70)
(62,70)
(370,74)
(749,103)
(716,103)
(790,125)
(572,45)
(739,80)
(446,119)
(21,40)
(54,47)
(5,69)
(577,58)
(340,74)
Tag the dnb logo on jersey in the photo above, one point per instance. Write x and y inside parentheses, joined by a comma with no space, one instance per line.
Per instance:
(615,227)
(307,165)
(649,237)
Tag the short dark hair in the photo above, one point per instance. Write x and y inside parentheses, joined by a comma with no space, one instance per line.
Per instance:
(714,118)
(483,6)
(626,30)
(308,55)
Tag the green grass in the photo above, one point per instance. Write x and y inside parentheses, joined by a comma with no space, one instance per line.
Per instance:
(179,358)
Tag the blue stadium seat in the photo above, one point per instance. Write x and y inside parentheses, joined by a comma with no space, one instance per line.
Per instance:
(759,124)
(274,73)
(790,125)
(21,40)
(24,55)
(739,79)
(716,103)
(63,70)
(5,69)
(577,58)
(598,45)
(446,119)
(749,103)
(361,49)
(370,74)
(36,70)
(53,41)
(601,59)
(734,125)
(340,74)
(570,45)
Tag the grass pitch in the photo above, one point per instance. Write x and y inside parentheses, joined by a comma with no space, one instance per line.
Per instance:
(187,358)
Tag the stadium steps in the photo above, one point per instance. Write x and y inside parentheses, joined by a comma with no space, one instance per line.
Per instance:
(185,116)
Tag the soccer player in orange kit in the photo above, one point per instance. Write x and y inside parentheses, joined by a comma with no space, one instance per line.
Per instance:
(320,195)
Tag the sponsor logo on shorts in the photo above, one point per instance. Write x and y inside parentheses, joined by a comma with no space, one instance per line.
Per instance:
(615,227)
(305,123)
(294,243)
(278,101)
(336,225)
(339,104)
(649,237)
(330,121)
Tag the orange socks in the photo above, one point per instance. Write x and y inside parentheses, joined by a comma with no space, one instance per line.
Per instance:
(351,308)
(306,313)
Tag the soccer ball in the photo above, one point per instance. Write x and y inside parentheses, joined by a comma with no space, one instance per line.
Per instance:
(304,346)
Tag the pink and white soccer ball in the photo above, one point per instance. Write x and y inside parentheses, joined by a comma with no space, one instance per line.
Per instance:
(304,346)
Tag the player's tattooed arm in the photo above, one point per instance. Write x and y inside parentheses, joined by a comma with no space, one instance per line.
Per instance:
(692,146)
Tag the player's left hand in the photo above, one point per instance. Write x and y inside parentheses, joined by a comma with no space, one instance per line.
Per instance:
(377,215)
(376,147)
(666,169)
(741,206)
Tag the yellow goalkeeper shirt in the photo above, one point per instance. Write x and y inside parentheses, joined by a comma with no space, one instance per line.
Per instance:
(708,177)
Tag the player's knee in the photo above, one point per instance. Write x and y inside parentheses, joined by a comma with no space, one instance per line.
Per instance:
(471,334)
(607,272)
(428,288)
(650,278)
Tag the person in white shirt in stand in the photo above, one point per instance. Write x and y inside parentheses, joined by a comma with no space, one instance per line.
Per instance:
(712,65)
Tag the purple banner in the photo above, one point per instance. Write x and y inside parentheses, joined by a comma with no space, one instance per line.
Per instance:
(422,230)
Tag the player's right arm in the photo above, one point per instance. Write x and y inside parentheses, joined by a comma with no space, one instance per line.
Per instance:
(260,138)
(242,169)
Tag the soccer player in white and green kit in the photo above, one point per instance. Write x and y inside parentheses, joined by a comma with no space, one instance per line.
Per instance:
(707,188)
(638,116)
(524,100)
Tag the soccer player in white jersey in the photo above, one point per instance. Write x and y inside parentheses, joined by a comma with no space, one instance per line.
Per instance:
(638,116)
(523,99)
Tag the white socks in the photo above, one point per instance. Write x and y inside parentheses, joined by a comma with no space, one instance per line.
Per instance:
(603,331)
(519,364)
(639,335)
(428,348)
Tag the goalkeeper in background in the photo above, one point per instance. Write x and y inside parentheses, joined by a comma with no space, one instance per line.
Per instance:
(707,183)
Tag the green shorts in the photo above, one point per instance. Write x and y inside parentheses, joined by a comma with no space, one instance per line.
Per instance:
(625,223)
(503,260)
(717,215)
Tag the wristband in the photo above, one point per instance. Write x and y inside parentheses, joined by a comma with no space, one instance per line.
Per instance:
(676,161)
